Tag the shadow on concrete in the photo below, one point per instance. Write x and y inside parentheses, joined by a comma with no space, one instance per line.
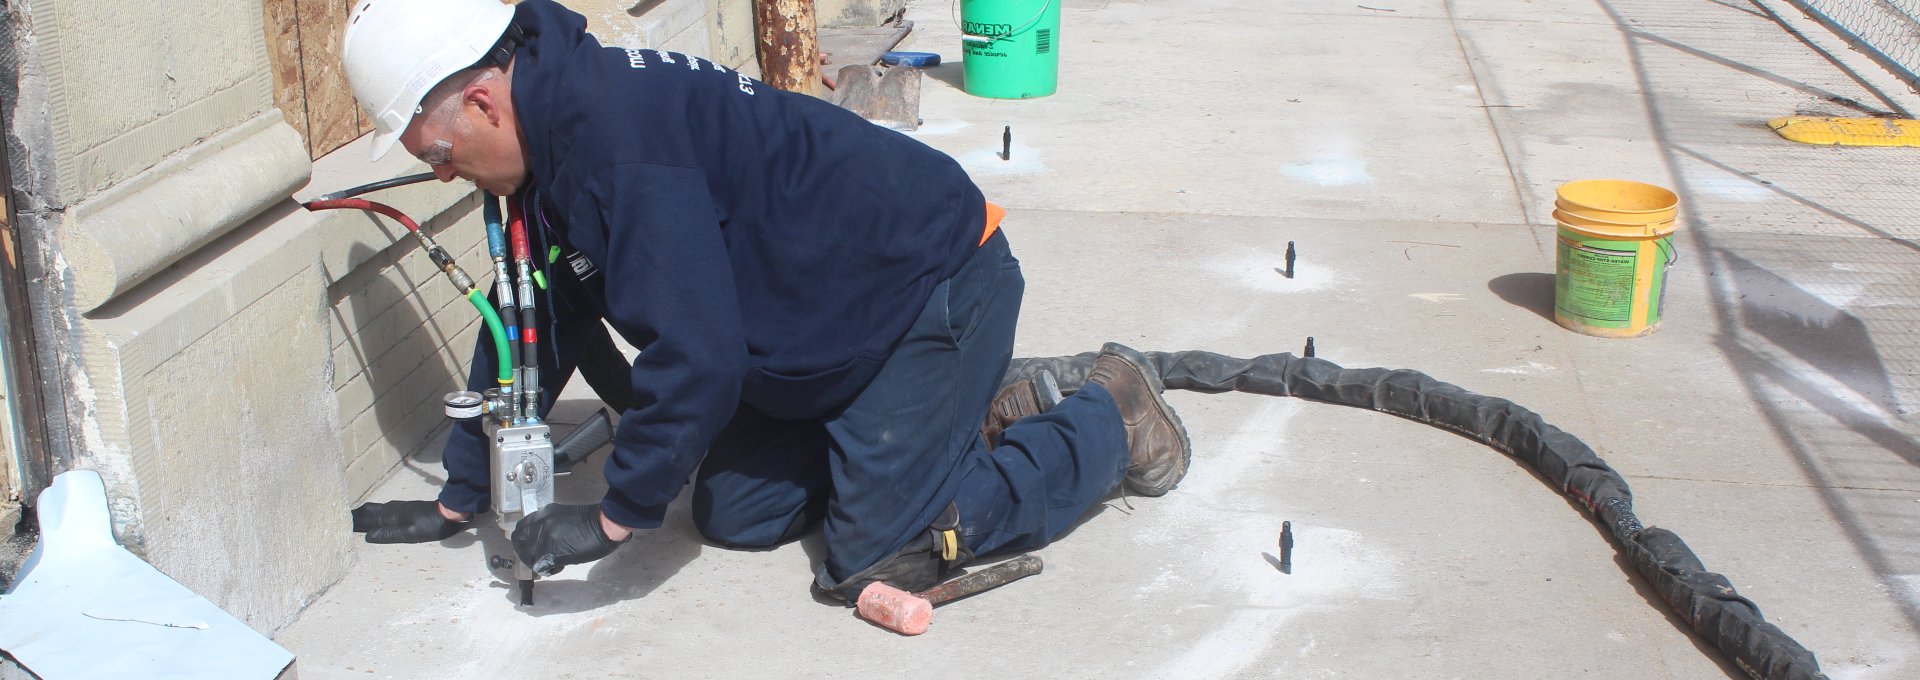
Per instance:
(1761,314)
(633,571)
(1808,327)
(1532,291)
(949,72)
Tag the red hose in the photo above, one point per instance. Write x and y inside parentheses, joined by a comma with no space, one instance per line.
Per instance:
(363,204)
(517,232)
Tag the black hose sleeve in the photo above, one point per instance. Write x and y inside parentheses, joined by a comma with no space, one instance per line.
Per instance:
(1705,600)
(1709,604)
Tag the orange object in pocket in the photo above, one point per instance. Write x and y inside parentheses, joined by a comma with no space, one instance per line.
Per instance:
(994,215)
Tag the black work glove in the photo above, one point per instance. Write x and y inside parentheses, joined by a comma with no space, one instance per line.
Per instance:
(404,522)
(560,535)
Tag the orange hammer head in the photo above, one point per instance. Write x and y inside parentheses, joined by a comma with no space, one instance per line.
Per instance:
(894,609)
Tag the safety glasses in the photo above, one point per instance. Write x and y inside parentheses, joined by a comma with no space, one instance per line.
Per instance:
(440,152)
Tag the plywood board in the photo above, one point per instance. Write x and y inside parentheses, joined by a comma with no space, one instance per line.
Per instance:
(331,117)
(283,53)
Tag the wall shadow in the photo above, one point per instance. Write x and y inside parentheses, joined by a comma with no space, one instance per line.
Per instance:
(395,344)
(1761,316)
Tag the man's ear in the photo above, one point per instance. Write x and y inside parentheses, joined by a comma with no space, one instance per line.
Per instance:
(486,99)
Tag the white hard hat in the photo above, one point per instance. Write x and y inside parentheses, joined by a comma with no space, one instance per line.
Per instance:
(395,51)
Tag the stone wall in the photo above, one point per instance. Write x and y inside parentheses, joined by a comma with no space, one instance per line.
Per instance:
(240,371)
(187,360)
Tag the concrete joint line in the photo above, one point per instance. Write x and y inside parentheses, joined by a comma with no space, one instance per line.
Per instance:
(1493,124)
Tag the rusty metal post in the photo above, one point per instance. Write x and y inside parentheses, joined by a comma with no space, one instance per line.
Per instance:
(789,45)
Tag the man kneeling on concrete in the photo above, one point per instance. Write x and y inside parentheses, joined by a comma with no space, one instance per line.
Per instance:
(825,308)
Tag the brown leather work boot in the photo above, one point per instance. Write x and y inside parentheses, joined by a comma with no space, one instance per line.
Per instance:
(1157,445)
(1019,399)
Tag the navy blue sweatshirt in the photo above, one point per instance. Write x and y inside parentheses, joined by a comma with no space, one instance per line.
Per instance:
(758,246)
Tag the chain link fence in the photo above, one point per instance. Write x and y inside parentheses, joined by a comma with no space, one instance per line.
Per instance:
(1886,30)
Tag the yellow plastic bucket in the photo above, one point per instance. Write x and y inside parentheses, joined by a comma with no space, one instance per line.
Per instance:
(1617,200)
(1613,250)
(1605,228)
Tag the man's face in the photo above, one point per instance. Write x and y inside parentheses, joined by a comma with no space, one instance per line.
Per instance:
(467,136)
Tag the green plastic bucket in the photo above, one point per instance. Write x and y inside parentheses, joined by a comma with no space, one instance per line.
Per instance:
(1011,48)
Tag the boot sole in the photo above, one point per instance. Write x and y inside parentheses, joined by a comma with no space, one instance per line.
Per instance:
(1138,362)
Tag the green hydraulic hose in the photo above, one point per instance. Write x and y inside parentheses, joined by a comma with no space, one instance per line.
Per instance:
(499,334)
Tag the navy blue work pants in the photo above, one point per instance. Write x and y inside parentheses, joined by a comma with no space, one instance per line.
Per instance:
(876,474)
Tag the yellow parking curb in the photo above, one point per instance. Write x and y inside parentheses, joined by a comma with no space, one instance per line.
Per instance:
(1848,131)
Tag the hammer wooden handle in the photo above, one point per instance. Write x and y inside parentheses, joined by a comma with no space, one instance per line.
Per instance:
(985,579)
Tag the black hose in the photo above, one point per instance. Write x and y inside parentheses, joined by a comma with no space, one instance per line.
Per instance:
(1704,599)
(376,186)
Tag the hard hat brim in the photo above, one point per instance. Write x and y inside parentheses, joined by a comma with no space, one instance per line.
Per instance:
(383,143)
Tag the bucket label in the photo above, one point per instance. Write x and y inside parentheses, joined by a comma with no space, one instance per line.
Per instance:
(1594,284)
(986,30)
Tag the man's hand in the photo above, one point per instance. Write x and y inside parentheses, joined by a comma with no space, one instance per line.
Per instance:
(561,535)
(405,522)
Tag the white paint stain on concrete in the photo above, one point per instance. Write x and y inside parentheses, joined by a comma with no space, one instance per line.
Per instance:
(500,639)
(987,163)
(1722,185)
(1878,658)
(1529,368)
(1264,272)
(1167,578)
(1251,599)
(1335,163)
(1438,297)
(1232,597)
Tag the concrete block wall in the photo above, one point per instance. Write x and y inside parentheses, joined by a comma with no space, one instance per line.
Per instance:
(402,338)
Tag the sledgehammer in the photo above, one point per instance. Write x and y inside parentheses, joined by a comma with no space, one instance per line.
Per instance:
(910,613)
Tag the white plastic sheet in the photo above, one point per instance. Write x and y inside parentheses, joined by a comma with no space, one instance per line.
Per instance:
(84,607)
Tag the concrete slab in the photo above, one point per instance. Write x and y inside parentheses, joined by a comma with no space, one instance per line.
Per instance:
(1564,107)
(1767,421)
(1254,110)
